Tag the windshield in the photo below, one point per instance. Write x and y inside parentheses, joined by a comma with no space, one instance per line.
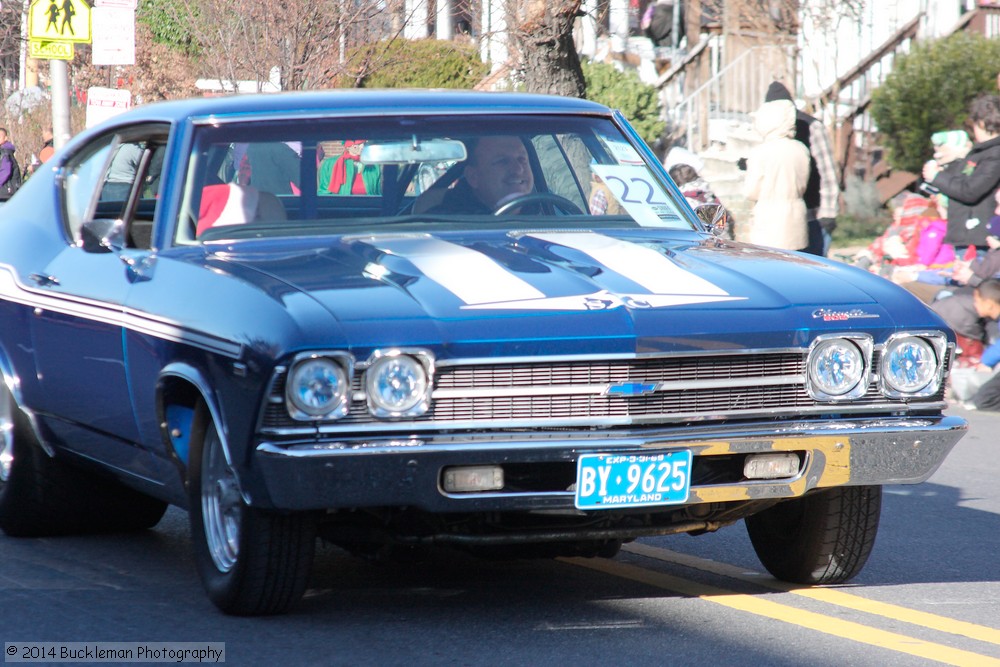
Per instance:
(367,175)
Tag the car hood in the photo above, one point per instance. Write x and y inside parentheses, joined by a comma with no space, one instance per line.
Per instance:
(532,292)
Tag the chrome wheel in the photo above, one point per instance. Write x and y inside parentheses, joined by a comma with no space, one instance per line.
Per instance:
(221,505)
(6,435)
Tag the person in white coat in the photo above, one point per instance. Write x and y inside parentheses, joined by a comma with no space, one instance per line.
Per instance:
(776,179)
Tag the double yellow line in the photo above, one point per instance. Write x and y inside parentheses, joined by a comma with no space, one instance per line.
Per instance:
(827,624)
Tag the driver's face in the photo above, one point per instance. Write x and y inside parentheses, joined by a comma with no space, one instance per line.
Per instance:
(500,170)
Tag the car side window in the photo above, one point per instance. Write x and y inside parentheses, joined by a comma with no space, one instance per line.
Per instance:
(118,178)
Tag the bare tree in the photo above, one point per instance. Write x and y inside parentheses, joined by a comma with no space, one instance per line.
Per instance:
(10,44)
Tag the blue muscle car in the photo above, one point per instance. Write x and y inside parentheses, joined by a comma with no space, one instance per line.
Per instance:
(395,319)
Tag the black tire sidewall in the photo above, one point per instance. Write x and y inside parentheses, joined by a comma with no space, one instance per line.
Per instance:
(822,538)
(222,587)
(275,551)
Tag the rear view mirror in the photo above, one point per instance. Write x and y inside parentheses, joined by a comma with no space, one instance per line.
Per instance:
(413,151)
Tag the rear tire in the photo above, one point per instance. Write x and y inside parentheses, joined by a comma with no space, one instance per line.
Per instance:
(43,496)
(823,538)
(251,561)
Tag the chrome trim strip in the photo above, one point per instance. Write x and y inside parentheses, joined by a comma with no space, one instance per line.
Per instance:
(621,356)
(14,291)
(334,113)
(541,424)
(898,431)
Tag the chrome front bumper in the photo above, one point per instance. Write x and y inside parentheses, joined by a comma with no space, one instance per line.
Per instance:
(382,472)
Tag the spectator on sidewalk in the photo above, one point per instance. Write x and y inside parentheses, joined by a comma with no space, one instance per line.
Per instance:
(971,316)
(822,194)
(970,181)
(776,178)
(10,172)
(684,167)
(47,147)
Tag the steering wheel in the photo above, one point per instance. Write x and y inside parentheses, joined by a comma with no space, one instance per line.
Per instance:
(556,201)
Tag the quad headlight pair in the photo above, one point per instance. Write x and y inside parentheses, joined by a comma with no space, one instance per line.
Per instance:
(396,383)
(912,365)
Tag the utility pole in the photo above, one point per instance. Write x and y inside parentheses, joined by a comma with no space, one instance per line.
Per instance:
(59,76)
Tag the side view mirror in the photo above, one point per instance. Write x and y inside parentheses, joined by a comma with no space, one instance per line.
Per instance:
(102,236)
(715,217)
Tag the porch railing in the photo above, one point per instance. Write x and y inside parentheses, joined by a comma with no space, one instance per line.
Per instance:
(728,95)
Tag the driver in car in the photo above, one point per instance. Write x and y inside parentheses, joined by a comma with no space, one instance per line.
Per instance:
(496,172)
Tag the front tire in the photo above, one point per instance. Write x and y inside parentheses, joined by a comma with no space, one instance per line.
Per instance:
(251,561)
(823,538)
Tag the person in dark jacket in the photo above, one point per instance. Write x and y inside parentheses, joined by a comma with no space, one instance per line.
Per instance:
(970,182)
(658,22)
(8,164)
(822,194)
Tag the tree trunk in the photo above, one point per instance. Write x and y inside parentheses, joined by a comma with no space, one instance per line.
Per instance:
(542,46)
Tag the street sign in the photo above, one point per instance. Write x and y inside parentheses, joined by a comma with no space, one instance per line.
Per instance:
(59,20)
(114,36)
(103,103)
(50,50)
(127,4)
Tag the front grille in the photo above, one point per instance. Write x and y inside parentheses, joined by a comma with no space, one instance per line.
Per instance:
(633,370)
(745,384)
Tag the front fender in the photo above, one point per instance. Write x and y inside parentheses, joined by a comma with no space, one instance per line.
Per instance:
(180,389)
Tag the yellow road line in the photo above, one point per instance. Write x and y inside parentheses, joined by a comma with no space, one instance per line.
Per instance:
(828,595)
(826,624)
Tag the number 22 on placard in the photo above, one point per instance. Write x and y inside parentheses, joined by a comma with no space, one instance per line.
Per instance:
(630,184)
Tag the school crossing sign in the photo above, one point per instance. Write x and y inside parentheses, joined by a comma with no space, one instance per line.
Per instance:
(55,25)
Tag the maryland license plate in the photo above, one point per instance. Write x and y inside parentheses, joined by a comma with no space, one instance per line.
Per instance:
(610,481)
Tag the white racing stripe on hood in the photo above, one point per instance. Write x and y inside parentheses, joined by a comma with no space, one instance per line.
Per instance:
(470,275)
(640,264)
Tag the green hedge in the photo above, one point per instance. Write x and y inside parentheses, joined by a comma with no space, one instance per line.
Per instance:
(426,63)
(627,93)
(929,90)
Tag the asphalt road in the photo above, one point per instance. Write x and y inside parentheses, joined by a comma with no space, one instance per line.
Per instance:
(929,595)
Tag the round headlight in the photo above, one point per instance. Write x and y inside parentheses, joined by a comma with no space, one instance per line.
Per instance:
(910,366)
(317,388)
(397,386)
(836,368)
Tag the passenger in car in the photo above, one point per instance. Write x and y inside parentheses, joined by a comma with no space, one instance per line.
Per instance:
(345,175)
(232,204)
(497,171)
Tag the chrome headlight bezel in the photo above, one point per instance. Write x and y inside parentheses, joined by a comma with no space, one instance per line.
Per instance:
(338,368)
(859,347)
(418,364)
(934,342)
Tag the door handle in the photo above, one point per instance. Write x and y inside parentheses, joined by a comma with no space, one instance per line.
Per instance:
(43,280)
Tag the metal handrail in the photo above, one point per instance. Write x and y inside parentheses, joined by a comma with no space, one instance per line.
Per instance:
(733,92)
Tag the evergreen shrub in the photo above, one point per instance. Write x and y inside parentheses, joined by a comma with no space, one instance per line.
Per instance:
(425,63)
(928,90)
(624,91)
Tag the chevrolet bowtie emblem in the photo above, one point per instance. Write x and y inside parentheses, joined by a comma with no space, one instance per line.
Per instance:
(630,389)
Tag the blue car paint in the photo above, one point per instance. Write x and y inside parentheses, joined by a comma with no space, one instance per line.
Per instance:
(179,420)
(232,309)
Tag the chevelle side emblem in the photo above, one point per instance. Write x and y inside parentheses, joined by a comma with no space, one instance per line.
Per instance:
(627,389)
(832,315)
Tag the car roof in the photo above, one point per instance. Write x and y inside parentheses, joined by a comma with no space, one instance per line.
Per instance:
(354,101)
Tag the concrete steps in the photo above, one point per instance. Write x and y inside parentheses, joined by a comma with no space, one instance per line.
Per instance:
(731,140)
